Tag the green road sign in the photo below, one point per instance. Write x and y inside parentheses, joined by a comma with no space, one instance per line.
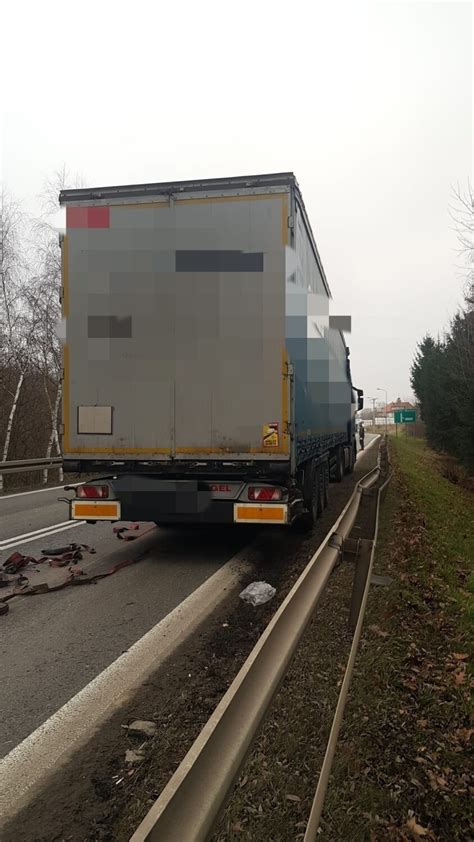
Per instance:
(405,416)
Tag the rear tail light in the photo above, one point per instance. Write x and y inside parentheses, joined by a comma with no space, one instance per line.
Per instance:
(264,494)
(95,492)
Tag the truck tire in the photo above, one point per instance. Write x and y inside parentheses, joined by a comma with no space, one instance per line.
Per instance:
(339,470)
(326,484)
(352,455)
(310,517)
(320,491)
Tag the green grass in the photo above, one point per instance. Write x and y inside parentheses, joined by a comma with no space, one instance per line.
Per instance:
(404,742)
(448,511)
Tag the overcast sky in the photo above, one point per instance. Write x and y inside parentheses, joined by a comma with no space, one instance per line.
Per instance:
(368,103)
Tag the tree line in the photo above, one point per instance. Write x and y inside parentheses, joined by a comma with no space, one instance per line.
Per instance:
(442,373)
(30,310)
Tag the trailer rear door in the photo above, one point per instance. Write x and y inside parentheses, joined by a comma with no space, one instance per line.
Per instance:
(175,328)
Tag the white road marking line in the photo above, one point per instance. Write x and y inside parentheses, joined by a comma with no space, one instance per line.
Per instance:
(36,491)
(34,532)
(51,530)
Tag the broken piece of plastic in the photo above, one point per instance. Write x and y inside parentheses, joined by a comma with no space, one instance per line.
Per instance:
(257,593)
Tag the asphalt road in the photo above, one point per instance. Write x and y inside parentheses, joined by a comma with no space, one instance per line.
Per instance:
(52,645)
(23,513)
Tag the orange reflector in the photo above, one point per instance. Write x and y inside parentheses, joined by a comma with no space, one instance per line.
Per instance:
(95,510)
(253,514)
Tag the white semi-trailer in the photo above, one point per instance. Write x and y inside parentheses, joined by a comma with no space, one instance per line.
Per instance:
(204,379)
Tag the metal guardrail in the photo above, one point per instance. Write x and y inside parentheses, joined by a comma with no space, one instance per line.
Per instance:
(364,565)
(188,807)
(21,465)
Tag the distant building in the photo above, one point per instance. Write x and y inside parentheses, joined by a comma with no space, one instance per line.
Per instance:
(398,404)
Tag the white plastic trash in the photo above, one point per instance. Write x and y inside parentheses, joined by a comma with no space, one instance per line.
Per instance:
(257,593)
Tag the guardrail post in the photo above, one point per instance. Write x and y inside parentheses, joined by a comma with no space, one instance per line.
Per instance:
(362,563)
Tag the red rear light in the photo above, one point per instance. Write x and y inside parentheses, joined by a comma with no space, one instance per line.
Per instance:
(264,494)
(93,491)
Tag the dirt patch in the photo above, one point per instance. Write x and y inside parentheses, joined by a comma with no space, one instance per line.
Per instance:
(96,797)
(273,796)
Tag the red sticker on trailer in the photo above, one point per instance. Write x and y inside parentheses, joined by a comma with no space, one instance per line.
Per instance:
(81,217)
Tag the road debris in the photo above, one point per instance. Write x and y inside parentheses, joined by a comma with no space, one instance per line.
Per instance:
(257,593)
(16,561)
(19,585)
(142,727)
(56,558)
(134,756)
(69,548)
(121,532)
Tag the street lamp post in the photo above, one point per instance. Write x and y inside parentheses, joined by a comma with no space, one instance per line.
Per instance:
(386,402)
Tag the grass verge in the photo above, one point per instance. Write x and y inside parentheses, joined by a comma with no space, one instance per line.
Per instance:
(402,770)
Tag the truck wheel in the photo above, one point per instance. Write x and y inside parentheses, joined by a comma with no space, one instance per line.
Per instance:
(352,455)
(326,484)
(320,491)
(310,517)
(339,472)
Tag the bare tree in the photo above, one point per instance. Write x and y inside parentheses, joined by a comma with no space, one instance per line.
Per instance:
(462,214)
(12,265)
(30,351)
(45,299)
(13,345)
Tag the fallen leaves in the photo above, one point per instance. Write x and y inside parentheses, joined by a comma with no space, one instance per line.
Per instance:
(416,830)
(464,734)
(459,677)
(436,781)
